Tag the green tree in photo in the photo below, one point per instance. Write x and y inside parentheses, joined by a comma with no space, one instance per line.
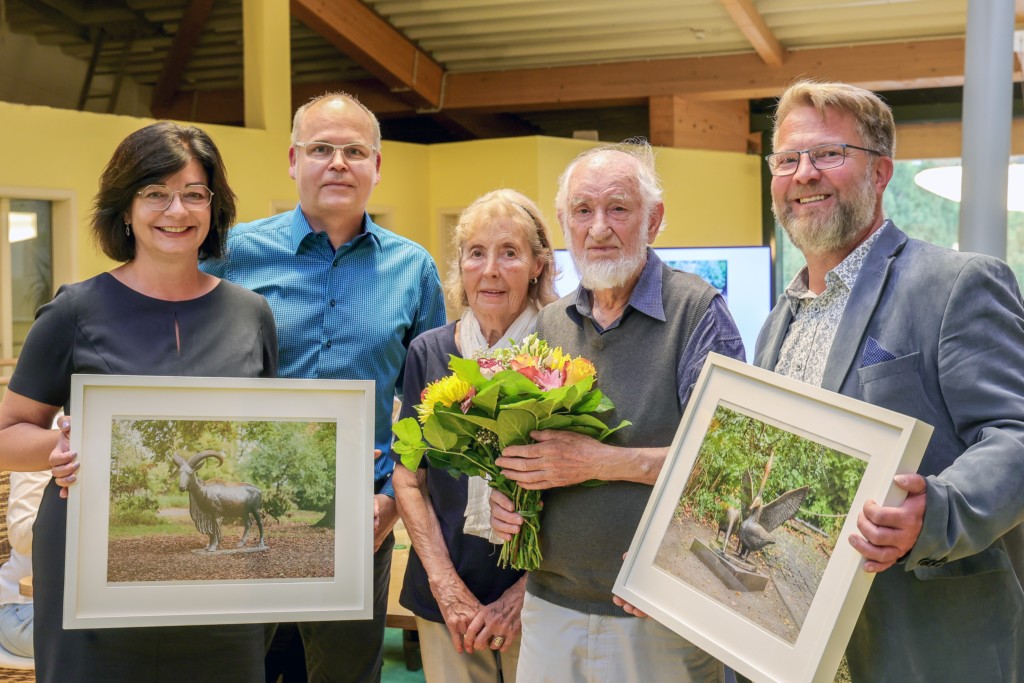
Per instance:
(736,444)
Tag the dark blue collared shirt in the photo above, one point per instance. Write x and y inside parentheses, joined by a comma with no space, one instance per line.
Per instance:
(716,331)
(349,313)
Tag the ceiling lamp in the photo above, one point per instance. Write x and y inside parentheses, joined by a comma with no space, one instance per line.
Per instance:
(945,181)
(21,227)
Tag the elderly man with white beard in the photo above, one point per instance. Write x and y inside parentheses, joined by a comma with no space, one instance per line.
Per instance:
(927,332)
(648,329)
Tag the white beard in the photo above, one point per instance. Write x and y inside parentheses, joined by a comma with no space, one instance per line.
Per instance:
(610,274)
(816,234)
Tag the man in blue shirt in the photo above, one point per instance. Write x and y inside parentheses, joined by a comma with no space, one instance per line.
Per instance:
(348,297)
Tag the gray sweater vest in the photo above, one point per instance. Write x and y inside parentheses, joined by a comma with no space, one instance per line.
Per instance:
(585,530)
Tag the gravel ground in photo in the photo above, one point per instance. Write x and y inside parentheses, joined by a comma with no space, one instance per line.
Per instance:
(294,551)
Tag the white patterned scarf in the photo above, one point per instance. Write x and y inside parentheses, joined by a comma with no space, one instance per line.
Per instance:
(472,342)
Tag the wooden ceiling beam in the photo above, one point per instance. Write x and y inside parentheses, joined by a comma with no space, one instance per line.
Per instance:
(894,66)
(190,29)
(752,25)
(378,47)
(227,106)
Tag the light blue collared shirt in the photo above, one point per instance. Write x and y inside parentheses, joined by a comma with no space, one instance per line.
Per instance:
(344,314)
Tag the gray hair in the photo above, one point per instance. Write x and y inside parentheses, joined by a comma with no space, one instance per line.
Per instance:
(647,179)
(873,117)
(338,95)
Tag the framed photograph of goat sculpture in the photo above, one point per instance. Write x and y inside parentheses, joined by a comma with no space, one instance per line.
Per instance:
(743,546)
(219,500)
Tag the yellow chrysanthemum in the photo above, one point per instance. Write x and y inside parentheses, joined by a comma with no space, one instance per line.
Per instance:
(580,368)
(447,391)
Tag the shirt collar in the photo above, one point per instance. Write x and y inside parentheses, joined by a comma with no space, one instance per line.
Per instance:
(845,274)
(301,229)
(645,297)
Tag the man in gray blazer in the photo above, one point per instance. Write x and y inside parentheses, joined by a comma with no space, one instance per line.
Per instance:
(928,332)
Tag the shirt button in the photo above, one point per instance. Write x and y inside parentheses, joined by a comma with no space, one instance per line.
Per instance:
(328,344)
(334,265)
(332,303)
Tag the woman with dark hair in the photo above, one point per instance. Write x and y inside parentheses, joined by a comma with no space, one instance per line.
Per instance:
(163,201)
(467,609)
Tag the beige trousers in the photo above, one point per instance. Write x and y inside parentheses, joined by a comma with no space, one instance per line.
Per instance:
(442,664)
(562,645)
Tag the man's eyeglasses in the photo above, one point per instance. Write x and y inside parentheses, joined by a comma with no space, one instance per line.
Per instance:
(325,151)
(822,157)
(160,197)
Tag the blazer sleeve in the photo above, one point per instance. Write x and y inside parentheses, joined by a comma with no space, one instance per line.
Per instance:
(977,498)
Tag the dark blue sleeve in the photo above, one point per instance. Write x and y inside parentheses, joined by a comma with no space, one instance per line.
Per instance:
(716,332)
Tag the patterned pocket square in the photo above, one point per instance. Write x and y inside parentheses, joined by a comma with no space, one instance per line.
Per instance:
(874,354)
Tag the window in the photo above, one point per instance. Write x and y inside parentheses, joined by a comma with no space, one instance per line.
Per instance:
(26,251)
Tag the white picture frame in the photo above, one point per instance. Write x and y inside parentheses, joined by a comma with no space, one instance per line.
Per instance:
(743,628)
(334,584)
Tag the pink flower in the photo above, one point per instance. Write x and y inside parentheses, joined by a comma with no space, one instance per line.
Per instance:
(544,378)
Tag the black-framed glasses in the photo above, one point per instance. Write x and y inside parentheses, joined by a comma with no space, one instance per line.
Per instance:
(160,197)
(325,151)
(822,157)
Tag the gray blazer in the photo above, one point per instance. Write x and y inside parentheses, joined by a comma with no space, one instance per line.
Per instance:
(939,335)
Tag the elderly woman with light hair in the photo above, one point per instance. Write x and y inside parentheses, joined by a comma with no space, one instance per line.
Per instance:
(467,609)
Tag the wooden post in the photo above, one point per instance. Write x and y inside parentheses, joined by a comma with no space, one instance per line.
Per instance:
(715,125)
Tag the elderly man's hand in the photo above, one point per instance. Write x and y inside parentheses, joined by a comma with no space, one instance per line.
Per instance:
(888,533)
(505,521)
(629,608)
(557,459)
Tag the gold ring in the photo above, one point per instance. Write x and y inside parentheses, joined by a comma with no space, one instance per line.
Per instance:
(498,641)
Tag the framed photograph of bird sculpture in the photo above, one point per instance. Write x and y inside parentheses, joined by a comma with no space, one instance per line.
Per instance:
(743,546)
(219,501)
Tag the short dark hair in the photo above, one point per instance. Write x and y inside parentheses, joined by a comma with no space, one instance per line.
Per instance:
(149,156)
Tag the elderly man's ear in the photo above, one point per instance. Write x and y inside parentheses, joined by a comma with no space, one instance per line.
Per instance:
(655,222)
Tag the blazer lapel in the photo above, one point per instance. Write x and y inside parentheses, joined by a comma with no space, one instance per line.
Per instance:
(766,354)
(860,308)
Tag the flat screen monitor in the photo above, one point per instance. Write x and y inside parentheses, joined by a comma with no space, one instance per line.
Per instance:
(742,274)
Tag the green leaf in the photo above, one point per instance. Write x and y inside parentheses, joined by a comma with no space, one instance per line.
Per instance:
(448,419)
(606,433)
(408,430)
(604,406)
(540,409)
(588,402)
(592,432)
(467,369)
(457,416)
(487,397)
(514,426)
(512,383)
(560,421)
(411,454)
(588,421)
(572,393)
(437,436)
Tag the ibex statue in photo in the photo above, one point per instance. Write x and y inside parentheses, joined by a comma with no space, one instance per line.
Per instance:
(210,502)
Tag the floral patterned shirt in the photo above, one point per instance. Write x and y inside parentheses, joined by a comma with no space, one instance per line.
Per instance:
(816,316)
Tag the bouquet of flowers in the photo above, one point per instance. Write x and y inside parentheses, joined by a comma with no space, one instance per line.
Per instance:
(489,403)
